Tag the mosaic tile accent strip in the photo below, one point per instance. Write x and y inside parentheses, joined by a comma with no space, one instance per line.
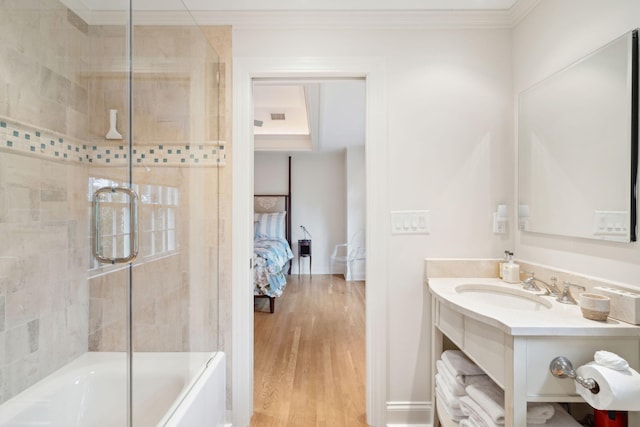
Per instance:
(42,143)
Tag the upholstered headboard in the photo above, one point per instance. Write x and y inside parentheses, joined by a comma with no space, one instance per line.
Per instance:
(269,204)
(272,203)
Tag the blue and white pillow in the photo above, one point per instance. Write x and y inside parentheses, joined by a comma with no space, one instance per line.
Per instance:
(270,225)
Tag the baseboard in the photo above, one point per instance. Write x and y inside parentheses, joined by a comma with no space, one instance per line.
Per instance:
(405,414)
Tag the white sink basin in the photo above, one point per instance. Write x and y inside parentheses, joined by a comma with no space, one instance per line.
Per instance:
(504,297)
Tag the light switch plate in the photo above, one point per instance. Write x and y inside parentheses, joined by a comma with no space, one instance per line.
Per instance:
(610,223)
(410,222)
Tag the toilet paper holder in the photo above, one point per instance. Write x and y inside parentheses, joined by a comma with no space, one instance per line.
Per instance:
(561,367)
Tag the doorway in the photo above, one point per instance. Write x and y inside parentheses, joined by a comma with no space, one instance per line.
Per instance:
(309,342)
(377,219)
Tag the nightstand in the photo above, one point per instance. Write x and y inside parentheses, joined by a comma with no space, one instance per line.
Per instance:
(304,250)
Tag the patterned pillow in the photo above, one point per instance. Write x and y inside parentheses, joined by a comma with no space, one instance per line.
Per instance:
(270,225)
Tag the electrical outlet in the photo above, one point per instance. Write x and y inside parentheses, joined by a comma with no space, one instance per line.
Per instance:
(499,225)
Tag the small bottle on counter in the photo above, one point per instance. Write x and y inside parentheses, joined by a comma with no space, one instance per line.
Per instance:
(503,264)
(511,273)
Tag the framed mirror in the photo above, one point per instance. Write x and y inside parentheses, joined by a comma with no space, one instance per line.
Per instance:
(578,147)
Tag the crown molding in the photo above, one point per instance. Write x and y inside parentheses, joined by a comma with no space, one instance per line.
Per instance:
(521,9)
(317,20)
(325,20)
(282,143)
(147,17)
(354,20)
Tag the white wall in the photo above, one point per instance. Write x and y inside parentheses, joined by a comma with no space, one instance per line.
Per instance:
(552,36)
(451,151)
(271,173)
(356,206)
(318,193)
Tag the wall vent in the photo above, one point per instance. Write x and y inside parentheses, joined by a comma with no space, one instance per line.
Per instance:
(277,116)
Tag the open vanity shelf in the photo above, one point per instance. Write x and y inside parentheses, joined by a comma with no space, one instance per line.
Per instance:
(514,347)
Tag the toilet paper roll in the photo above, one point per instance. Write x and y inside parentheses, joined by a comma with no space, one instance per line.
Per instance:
(619,390)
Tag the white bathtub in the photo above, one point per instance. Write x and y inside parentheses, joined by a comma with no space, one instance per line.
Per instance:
(169,389)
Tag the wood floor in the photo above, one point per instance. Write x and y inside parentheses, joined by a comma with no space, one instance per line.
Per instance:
(309,356)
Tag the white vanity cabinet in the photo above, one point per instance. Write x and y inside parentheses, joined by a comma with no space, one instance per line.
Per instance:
(515,347)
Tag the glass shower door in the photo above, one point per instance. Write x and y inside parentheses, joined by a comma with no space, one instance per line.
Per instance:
(164,210)
(109,211)
(176,157)
(109,208)
(63,315)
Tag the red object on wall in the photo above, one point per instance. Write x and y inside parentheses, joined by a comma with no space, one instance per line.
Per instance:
(610,418)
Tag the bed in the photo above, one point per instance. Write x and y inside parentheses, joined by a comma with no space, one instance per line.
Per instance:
(272,244)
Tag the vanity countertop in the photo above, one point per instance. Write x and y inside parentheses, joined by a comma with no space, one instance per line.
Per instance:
(559,320)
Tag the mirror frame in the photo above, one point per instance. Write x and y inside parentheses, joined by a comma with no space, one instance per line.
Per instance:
(634,187)
(635,133)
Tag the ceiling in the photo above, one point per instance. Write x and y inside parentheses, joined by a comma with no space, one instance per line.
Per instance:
(217,5)
(349,4)
(285,100)
(318,116)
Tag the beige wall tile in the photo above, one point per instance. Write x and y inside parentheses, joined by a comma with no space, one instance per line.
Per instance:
(461,268)
(20,307)
(51,310)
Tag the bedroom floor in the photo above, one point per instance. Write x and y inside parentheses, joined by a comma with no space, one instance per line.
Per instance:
(309,356)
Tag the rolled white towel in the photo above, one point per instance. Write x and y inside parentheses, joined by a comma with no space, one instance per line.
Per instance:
(471,409)
(490,398)
(610,360)
(478,416)
(479,380)
(454,413)
(449,398)
(466,422)
(460,365)
(456,388)
(561,418)
(539,410)
(478,422)
(536,421)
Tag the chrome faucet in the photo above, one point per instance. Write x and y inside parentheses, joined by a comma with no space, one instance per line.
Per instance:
(549,289)
(566,297)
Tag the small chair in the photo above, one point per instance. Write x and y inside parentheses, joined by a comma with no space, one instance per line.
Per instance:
(346,254)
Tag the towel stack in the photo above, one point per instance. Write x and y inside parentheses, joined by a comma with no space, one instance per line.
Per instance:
(484,405)
(454,372)
(472,399)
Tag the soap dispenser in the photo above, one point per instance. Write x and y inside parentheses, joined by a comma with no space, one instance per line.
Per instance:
(511,273)
(503,264)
